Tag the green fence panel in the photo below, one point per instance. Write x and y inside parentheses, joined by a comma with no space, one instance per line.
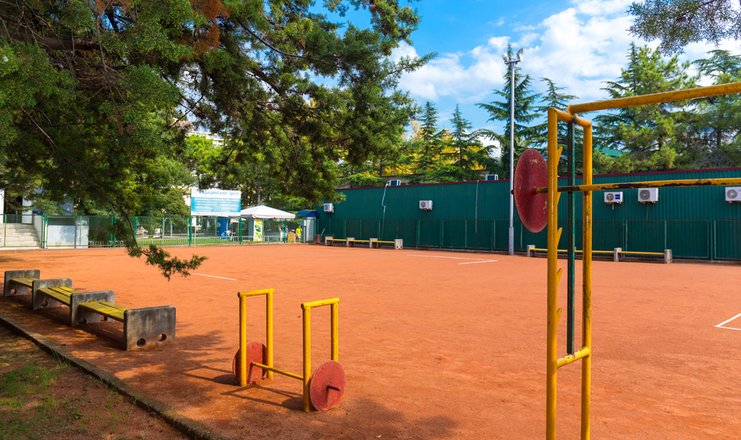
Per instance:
(370,229)
(608,235)
(353,228)
(727,239)
(430,232)
(454,234)
(689,239)
(480,234)
(645,236)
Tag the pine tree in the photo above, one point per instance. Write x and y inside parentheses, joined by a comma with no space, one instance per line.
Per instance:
(92,94)
(470,155)
(499,111)
(718,119)
(650,134)
(428,145)
(556,98)
(679,22)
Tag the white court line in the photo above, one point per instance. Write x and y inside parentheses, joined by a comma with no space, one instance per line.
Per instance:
(213,276)
(722,324)
(473,260)
(479,262)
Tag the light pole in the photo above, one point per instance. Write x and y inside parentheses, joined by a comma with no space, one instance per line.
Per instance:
(511,63)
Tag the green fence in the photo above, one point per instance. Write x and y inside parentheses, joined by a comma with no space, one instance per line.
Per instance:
(695,222)
(38,231)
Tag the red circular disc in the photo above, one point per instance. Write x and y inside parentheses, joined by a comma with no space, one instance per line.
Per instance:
(531,173)
(255,353)
(327,385)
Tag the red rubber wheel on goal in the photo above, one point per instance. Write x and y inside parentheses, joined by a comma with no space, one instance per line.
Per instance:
(327,386)
(532,207)
(255,353)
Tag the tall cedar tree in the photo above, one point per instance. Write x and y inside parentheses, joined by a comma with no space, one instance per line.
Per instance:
(718,119)
(650,134)
(470,155)
(92,94)
(427,147)
(556,98)
(680,22)
(525,101)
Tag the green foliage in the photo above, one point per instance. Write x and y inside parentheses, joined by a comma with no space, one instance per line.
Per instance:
(524,114)
(156,256)
(470,156)
(650,134)
(92,95)
(680,22)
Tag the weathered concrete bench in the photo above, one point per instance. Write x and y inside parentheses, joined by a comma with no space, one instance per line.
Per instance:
(397,243)
(618,254)
(143,328)
(53,293)
(20,281)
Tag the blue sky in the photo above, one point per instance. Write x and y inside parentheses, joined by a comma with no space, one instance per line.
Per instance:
(578,44)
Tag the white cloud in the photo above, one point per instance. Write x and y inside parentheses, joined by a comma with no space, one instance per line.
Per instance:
(579,48)
(579,52)
(463,76)
(601,7)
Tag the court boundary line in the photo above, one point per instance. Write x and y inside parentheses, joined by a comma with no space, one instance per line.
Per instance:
(214,276)
(474,260)
(723,324)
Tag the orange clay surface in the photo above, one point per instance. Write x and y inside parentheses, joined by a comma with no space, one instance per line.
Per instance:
(434,344)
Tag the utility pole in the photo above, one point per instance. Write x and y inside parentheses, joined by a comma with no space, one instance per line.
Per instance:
(511,63)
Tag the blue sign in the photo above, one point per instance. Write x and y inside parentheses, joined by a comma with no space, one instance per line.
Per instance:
(215,202)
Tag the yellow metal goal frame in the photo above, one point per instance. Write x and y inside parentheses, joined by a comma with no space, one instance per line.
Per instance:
(554,362)
(269,366)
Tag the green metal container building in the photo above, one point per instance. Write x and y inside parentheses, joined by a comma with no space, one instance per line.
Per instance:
(695,222)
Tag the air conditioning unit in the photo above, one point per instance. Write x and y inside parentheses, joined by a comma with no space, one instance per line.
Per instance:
(648,195)
(613,197)
(733,194)
(394,182)
(490,177)
(328,207)
(425,205)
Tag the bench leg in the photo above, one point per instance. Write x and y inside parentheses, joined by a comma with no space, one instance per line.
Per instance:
(9,287)
(39,300)
(79,316)
(149,327)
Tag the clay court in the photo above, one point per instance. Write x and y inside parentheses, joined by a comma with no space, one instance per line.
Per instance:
(434,344)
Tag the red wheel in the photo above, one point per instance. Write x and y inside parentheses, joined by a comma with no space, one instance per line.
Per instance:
(327,386)
(255,353)
(531,173)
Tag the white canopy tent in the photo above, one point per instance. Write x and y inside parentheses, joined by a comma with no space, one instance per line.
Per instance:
(266,212)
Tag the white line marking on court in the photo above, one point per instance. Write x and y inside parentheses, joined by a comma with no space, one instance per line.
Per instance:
(723,324)
(214,276)
(478,262)
(473,260)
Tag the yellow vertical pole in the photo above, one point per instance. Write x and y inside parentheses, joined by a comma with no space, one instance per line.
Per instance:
(586,366)
(335,332)
(307,357)
(242,340)
(269,331)
(553,273)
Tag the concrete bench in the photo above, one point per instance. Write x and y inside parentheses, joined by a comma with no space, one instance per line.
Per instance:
(19,282)
(47,294)
(617,253)
(397,243)
(147,327)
